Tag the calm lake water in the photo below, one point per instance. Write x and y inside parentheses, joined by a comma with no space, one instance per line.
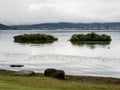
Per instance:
(94,60)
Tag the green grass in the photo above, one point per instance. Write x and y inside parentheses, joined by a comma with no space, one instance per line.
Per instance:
(34,38)
(39,82)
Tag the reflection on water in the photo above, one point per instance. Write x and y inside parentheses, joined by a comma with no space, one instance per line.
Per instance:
(75,59)
(91,44)
(36,44)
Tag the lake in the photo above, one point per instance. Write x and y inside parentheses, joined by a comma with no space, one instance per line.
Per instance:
(84,59)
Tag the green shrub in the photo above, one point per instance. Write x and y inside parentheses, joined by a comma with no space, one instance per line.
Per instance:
(34,38)
(90,37)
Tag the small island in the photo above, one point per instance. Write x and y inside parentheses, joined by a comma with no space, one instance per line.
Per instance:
(34,38)
(92,38)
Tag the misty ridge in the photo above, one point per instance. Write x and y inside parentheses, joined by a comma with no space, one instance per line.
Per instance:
(64,25)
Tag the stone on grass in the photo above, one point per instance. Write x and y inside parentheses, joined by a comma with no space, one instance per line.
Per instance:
(24,72)
(60,74)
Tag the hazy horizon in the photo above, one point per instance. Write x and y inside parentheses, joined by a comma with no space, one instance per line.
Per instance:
(22,12)
(59,22)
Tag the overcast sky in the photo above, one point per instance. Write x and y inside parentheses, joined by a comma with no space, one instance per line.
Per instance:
(42,11)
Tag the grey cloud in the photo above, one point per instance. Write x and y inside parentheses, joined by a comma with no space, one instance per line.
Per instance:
(40,11)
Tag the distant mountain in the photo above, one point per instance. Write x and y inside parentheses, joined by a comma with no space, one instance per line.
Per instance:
(67,26)
(3,27)
(64,25)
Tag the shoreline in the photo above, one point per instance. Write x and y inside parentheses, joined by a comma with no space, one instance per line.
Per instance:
(67,74)
(71,78)
(9,81)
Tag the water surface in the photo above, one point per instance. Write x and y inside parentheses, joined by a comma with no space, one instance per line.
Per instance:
(87,59)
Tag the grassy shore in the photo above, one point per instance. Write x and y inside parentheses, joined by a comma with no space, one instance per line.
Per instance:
(38,82)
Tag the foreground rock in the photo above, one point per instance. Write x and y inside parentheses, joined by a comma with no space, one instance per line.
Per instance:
(60,74)
(16,65)
(24,72)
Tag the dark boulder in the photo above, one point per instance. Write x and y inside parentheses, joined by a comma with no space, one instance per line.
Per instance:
(60,74)
(16,65)
(24,72)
